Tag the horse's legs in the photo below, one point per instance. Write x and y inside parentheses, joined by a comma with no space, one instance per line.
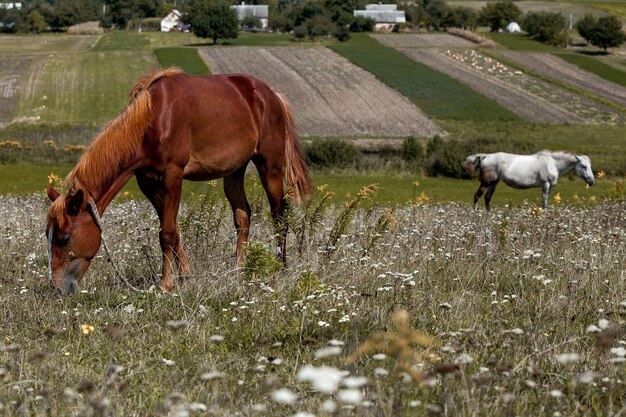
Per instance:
(165,197)
(490,191)
(236,195)
(271,176)
(479,193)
(545,194)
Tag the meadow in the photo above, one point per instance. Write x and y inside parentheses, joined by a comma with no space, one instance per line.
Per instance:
(417,309)
(398,298)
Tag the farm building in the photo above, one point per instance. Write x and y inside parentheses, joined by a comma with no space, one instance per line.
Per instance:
(513,27)
(171,21)
(10,5)
(261,12)
(385,15)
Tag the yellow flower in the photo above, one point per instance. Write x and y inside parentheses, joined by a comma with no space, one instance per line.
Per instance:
(592,198)
(212,183)
(87,328)
(416,183)
(601,174)
(53,179)
(557,198)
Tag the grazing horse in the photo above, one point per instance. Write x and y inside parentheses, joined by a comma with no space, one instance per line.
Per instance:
(542,169)
(178,127)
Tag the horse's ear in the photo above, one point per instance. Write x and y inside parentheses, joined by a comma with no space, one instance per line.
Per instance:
(53,194)
(74,203)
(577,158)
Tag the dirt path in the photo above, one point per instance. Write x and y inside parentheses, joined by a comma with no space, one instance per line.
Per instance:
(330,95)
(410,40)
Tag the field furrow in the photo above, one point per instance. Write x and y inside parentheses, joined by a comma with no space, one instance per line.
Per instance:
(532,99)
(330,95)
(11,72)
(556,68)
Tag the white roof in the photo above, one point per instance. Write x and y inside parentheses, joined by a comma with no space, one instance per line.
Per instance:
(383,16)
(513,27)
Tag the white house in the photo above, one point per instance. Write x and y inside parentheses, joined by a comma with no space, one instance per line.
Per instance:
(385,15)
(261,12)
(171,21)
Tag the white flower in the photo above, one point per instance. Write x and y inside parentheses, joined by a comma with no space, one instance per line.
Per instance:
(463,359)
(216,338)
(168,362)
(209,376)
(586,377)
(355,381)
(283,396)
(379,357)
(517,331)
(618,351)
(603,323)
(593,329)
(556,393)
(335,342)
(327,352)
(380,372)
(328,406)
(567,358)
(303,414)
(325,379)
(350,396)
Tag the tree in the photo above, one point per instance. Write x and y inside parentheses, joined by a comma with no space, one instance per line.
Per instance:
(498,15)
(461,17)
(604,32)
(212,19)
(546,27)
(34,22)
(70,12)
(585,25)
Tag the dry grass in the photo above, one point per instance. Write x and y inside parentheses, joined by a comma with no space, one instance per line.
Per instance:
(526,307)
(86,28)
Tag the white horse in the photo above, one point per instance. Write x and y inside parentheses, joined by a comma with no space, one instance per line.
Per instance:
(542,169)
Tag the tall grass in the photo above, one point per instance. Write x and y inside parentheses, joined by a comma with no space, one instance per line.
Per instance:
(519,42)
(433,92)
(448,312)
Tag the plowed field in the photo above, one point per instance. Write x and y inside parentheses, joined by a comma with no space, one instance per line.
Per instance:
(532,99)
(330,96)
(556,68)
(441,40)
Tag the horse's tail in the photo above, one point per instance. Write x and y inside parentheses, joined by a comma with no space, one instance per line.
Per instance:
(297,176)
(472,162)
(119,139)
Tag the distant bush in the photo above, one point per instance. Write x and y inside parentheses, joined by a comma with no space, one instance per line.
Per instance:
(472,37)
(546,27)
(444,158)
(152,24)
(412,149)
(362,24)
(331,153)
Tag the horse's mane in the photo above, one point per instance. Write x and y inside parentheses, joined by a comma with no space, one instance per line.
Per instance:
(117,141)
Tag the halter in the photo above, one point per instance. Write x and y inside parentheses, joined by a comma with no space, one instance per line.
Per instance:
(92,209)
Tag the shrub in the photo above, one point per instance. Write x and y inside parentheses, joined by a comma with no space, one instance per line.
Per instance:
(335,153)
(412,149)
(444,158)
(546,27)
(362,24)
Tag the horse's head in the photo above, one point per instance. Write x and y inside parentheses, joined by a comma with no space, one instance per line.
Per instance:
(583,169)
(73,238)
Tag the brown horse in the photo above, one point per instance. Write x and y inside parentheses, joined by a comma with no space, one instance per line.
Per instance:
(178,127)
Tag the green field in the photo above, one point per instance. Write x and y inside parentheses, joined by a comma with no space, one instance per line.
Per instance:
(436,94)
(393,189)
